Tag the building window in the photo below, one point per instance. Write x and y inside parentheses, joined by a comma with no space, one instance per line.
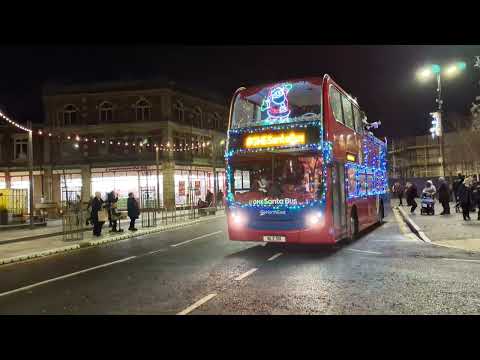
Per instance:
(217,121)
(143,110)
(106,111)
(197,117)
(179,112)
(20,151)
(68,116)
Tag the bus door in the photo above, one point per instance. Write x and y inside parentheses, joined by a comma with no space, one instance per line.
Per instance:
(338,199)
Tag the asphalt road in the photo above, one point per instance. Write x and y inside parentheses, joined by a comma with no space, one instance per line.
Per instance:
(196,270)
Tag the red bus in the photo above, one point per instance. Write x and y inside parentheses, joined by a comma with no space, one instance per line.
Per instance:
(301,167)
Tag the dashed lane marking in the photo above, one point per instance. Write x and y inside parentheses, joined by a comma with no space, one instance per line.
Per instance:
(466,260)
(365,251)
(244,275)
(198,237)
(274,257)
(156,251)
(197,304)
(65,276)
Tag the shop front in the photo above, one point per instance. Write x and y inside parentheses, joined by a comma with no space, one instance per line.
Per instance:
(192,183)
(124,180)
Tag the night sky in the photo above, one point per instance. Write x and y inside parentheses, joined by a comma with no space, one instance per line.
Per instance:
(381,77)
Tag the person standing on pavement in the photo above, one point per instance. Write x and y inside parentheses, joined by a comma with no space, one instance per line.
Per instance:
(465,198)
(97,206)
(476,195)
(412,193)
(398,190)
(444,196)
(133,211)
(456,184)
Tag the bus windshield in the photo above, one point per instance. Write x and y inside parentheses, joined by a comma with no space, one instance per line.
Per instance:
(281,103)
(277,178)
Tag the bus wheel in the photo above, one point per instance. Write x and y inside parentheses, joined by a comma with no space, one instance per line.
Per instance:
(353,226)
(381,213)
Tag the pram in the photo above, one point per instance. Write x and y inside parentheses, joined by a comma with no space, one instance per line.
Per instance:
(427,205)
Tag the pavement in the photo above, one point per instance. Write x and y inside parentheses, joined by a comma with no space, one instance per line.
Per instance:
(446,230)
(196,270)
(48,242)
(53,227)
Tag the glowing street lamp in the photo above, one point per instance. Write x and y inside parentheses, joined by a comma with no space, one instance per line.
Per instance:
(427,73)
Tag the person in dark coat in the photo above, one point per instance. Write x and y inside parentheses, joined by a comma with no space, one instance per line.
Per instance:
(456,185)
(97,205)
(444,196)
(476,195)
(209,198)
(465,197)
(133,211)
(412,193)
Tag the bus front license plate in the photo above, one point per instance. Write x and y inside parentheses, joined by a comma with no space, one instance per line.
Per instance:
(274,238)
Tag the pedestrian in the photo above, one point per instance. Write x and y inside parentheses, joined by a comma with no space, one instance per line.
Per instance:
(133,211)
(476,195)
(98,214)
(89,211)
(444,196)
(465,197)
(412,193)
(209,198)
(112,198)
(220,197)
(456,184)
(398,190)
(405,192)
(115,216)
(429,189)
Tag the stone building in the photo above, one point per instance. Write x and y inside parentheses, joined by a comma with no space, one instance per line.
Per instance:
(102,137)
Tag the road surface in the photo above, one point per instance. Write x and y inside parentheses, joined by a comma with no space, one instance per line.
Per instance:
(197,270)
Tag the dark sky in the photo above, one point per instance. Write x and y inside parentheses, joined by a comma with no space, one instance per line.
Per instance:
(381,77)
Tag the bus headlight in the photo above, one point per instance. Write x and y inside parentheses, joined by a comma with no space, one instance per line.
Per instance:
(238,218)
(314,218)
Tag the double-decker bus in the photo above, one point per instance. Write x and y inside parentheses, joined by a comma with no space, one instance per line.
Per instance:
(301,166)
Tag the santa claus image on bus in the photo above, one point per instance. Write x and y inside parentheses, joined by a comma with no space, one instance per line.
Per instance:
(276,103)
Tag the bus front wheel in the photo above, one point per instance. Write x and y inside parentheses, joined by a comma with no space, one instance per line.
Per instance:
(353,226)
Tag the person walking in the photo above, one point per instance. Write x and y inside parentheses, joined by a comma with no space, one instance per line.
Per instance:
(398,190)
(412,193)
(97,207)
(465,198)
(444,196)
(133,211)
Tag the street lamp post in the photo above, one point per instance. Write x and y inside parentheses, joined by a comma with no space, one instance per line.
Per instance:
(30,171)
(158,178)
(426,73)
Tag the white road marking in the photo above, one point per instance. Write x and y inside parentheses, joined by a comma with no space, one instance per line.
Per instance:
(244,275)
(65,276)
(274,257)
(365,251)
(156,251)
(467,260)
(198,237)
(197,304)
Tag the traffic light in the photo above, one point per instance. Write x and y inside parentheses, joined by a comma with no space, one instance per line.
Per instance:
(436,129)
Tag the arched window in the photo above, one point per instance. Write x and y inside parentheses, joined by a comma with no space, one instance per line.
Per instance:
(179,112)
(106,111)
(69,115)
(143,110)
(197,117)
